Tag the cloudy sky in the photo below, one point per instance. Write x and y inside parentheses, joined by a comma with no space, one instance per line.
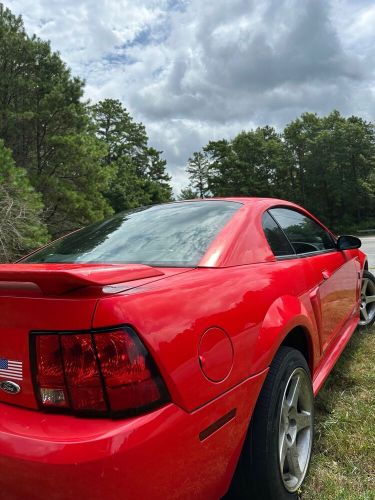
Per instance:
(195,70)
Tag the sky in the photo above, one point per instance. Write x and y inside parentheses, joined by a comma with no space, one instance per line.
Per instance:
(200,70)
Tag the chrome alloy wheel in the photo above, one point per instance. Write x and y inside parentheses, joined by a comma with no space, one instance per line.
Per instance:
(367,306)
(295,430)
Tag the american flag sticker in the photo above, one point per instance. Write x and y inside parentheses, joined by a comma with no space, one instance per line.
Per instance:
(11,369)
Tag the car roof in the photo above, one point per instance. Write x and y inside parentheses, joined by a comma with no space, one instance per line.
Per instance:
(236,244)
(247,200)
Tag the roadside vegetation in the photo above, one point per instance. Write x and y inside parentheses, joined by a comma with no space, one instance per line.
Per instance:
(343,463)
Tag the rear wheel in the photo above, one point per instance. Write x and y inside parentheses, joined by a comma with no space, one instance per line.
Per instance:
(276,454)
(367,307)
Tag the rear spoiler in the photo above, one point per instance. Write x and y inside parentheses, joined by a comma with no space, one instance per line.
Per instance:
(56,279)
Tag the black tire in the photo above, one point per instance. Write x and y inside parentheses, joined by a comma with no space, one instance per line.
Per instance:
(367,310)
(258,474)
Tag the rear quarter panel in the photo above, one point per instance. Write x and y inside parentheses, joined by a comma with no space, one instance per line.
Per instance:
(255,304)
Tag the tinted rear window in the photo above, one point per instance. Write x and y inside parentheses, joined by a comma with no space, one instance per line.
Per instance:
(176,234)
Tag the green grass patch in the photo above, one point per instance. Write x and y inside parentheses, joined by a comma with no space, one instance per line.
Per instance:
(343,462)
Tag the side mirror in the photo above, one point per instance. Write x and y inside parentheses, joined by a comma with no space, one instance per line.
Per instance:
(348,242)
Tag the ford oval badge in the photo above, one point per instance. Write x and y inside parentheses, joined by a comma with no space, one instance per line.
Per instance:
(9,387)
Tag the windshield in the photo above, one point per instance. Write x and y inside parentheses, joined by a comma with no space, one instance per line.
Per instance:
(175,234)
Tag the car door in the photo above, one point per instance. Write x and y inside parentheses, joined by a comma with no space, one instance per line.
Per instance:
(335,271)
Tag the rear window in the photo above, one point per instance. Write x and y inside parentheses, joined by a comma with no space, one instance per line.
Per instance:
(175,234)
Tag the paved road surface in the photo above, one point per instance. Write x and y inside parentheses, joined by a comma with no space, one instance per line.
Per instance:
(368,246)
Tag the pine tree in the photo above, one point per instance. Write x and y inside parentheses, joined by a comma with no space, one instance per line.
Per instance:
(45,124)
(140,173)
(197,170)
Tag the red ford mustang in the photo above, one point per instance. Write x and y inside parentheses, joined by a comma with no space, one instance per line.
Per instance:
(174,351)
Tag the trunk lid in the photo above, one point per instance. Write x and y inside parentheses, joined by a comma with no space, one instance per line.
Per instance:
(53,297)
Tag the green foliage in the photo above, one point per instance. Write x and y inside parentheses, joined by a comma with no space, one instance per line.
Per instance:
(197,170)
(83,161)
(334,165)
(21,229)
(45,124)
(327,164)
(254,163)
(74,190)
(140,176)
(187,194)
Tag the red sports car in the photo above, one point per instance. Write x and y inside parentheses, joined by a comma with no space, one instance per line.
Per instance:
(174,351)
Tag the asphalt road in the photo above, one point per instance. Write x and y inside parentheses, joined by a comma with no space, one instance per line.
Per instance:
(368,246)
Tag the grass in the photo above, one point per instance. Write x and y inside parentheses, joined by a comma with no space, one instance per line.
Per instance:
(343,463)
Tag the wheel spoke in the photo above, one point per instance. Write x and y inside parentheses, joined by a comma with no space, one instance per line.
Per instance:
(293,463)
(283,450)
(303,420)
(285,410)
(364,314)
(370,298)
(293,392)
(364,285)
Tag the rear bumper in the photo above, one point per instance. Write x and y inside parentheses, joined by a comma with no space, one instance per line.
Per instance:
(159,455)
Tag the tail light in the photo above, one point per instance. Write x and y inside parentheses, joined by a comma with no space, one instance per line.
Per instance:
(100,373)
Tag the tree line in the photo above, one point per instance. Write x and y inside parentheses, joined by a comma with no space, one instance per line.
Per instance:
(63,162)
(326,164)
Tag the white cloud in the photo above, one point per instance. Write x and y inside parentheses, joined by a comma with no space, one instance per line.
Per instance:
(194,71)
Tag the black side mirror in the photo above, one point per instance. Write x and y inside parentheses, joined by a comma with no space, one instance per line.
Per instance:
(348,242)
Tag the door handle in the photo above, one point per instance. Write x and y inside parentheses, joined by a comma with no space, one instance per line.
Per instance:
(326,274)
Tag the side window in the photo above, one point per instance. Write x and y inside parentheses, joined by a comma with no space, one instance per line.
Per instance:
(304,234)
(276,238)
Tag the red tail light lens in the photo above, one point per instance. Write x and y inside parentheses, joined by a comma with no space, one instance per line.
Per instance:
(104,372)
(50,373)
(127,371)
(82,373)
